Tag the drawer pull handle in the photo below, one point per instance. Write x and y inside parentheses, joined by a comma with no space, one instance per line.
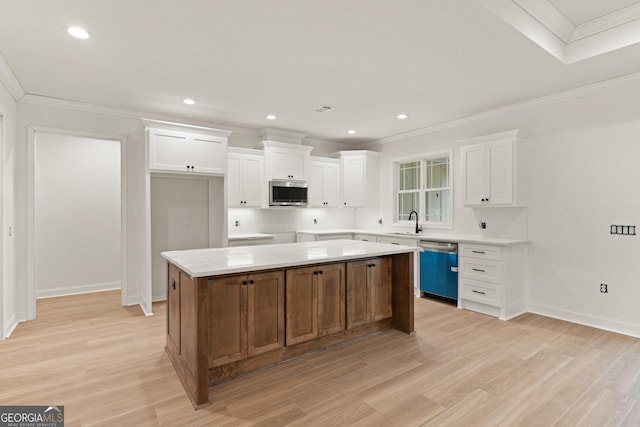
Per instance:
(478,269)
(478,292)
(173,283)
(478,252)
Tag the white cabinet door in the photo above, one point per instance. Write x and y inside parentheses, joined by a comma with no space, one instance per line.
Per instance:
(253,185)
(353,181)
(324,184)
(234,181)
(489,173)
(298,166)
(185,152)
(500,155)
(475,174)
(168,151)
(280,168)
(316,185)
(331,185)
(208,155)
(244,180)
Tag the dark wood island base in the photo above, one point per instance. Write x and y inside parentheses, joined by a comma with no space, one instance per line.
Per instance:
(219,327)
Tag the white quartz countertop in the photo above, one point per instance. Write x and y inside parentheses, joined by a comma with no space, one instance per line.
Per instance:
(455,238)
(218,261)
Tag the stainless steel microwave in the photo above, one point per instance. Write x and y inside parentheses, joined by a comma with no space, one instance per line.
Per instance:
(288,193)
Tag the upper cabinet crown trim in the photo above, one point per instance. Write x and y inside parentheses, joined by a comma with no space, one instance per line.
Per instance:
(518,134)
(179,127)
(288,146)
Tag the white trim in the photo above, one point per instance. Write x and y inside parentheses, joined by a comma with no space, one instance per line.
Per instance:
(10,81)
(422,158)
(10,326)
(549,16)
(545,101)
(546,26)
(77,290)
(606,22)
(65,104)
(31,162)
(617,326)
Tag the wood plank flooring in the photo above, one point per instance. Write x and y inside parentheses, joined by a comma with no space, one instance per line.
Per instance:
(106,364)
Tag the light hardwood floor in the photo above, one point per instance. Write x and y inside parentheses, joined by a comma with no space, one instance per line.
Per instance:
(106,364)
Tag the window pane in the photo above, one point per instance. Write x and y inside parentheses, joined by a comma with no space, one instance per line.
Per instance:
(437,206)
(409,176)
(437,173)
(407,202)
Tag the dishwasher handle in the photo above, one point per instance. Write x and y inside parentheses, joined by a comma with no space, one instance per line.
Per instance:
(449,248)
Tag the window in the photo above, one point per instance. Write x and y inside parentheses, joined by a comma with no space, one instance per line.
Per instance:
(424,185)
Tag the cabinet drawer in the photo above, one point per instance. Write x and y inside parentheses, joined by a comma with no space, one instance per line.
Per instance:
(481,269)
(484,292)
(481,251)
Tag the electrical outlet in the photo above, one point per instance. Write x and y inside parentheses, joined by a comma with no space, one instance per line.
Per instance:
(483,225)
(237,223)
(315,221)
(604,288)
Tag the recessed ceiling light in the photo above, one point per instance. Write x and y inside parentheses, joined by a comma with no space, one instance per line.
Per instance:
(271,116)
(351,131)
(77,32)
(402,116)
(188,101)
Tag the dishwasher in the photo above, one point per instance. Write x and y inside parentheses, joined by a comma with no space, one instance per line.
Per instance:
(439,270)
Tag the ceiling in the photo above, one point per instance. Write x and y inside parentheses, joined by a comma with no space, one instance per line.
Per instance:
(240,60)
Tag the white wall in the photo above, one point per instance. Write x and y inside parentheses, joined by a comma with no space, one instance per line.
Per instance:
(583,181)
(9,314)
(77,215)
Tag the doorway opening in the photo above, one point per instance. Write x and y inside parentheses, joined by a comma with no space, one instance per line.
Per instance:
(77,228)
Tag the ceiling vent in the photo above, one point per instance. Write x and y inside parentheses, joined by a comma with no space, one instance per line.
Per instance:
(324,108)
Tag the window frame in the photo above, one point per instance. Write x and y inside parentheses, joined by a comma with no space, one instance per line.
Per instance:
(422,158)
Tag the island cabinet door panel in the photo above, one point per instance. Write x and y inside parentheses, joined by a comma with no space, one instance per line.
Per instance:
(331,298)
(358,294)
(301,305)
(173,309)
(227,320)
(265,312)
(379,278)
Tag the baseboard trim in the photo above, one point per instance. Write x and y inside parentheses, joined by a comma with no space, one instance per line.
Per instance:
(611,325)
(157,298)
(10,326)
(76,290)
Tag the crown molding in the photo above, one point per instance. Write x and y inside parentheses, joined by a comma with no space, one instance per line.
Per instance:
(557,98)
(546,26)
(45,101)
(606,22)
(10,81)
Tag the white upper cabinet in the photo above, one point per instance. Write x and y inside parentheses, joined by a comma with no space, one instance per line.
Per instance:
(286,161)
(324,183)
(493,170)
(245,179)
(359,178)
(186,151)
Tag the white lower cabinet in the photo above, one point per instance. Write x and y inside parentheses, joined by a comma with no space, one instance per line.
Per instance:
(491,279)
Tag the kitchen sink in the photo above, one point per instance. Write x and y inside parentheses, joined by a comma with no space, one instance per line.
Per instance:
(406,233)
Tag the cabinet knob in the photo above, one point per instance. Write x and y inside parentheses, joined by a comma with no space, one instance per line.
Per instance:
(320,272)
(251,282)
(244,282)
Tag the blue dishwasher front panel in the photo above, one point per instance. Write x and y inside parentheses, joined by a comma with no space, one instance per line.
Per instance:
(438,274)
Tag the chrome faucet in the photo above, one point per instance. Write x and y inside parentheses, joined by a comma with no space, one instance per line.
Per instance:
(418,228)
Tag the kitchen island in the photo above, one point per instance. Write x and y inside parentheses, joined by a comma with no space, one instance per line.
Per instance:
(234,310)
